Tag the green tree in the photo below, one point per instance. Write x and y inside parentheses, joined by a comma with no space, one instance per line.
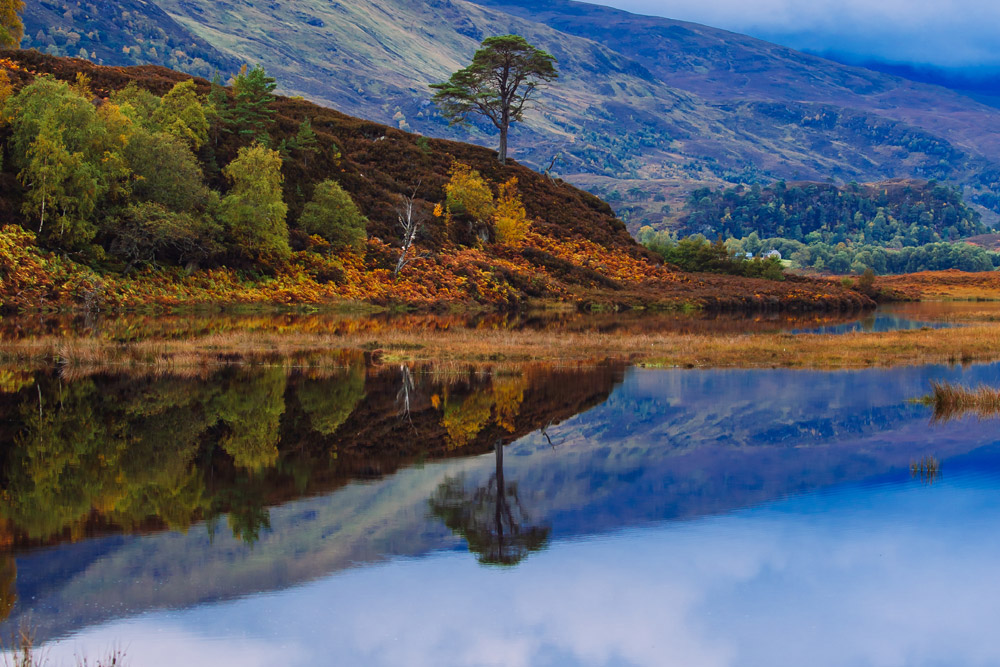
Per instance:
(165,171)
(61,185)
(253,211)
(182,114)
(500,84)
(333,215)
(252,113)
(11,27)
(217,110)
(305,141)
(138,104)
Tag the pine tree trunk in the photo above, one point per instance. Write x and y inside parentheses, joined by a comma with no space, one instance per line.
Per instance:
(503,144)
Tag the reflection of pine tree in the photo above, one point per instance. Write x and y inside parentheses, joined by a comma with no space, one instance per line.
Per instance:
(491,518)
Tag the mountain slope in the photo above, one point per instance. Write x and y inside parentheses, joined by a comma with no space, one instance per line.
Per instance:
(647,109)
(122,32)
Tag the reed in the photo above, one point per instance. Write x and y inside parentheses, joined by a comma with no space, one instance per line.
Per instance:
(952,401)
(927,470)
(22,652)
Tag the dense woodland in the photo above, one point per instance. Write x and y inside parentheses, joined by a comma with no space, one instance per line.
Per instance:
(891,227)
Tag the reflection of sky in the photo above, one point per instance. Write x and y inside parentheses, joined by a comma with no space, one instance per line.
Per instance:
(865,575)
(875,324)
(364,571)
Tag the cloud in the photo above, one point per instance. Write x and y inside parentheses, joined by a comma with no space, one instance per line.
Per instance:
(881,576)
(953,34)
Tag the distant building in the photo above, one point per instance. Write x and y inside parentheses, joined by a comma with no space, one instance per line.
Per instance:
(772,254)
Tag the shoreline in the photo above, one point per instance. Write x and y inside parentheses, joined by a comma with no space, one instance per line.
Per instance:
(185,345)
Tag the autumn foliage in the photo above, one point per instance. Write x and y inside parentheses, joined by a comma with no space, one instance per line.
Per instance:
(258,217)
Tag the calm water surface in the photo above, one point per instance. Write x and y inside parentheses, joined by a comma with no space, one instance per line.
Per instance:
(366,516)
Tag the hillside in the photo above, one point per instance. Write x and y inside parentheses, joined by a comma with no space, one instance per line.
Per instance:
(134,247)
(123,32)
(647,109)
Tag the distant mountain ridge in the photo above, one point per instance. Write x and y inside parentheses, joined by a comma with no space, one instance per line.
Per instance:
(646,111)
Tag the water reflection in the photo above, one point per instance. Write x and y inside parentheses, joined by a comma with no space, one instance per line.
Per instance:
(123,453)
(131,327)
(490,518)
(670,495)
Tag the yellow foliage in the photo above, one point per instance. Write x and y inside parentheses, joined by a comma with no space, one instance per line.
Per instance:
(81,86)
(510,220)
(508,394)
(6,90)
(12,381)
(468,193)
(464,420)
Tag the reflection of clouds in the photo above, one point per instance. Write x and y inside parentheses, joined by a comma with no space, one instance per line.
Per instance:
(869,576)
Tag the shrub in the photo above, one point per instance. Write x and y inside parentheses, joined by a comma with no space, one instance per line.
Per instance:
(468,195)
(149,232)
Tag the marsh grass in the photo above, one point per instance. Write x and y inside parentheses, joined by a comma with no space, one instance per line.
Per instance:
(492,346)
(952,401)
(22,652)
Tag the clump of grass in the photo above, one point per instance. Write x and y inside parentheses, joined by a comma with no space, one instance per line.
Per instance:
(22,653)
(927,469)
(951,401)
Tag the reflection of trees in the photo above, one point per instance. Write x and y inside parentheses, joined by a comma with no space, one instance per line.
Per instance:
(131,453)
(330,401)
(251,406)
(490,518)
(8,585)
(465,418)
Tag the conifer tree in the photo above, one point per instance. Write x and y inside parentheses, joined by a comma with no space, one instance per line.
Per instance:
(252,112)
(305,141)
(500,84)
(218,110)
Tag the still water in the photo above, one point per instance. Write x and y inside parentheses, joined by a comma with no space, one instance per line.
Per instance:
(365,515)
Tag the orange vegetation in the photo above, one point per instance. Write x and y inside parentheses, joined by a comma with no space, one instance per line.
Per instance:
(951,284)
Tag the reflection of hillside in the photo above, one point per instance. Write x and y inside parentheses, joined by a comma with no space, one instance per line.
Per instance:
(665,445)
(107,454)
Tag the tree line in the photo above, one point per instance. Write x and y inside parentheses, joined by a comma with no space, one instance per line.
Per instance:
(894,214)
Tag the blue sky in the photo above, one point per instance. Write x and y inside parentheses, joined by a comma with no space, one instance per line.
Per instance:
(945,33)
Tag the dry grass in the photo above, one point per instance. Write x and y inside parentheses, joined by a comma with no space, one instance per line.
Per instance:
(953,401)
(976,343)
(949,285)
